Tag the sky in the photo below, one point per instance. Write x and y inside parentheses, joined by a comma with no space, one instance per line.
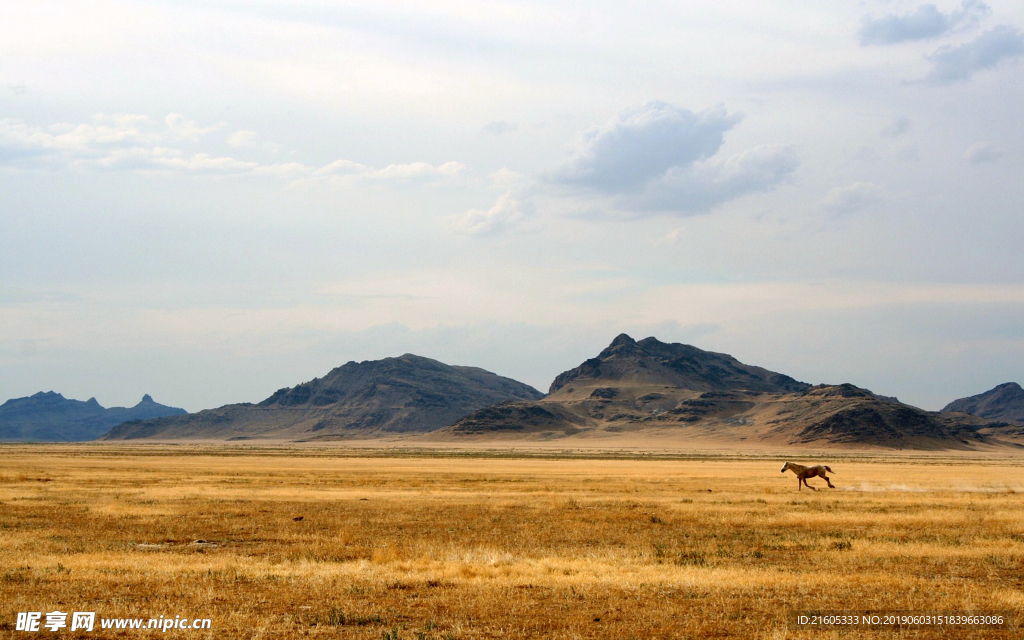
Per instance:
(208,200)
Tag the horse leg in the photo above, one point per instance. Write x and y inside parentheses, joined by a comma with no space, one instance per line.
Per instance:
(808,486)
(830,485)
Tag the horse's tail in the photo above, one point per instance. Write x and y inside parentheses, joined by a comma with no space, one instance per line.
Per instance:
(828,469)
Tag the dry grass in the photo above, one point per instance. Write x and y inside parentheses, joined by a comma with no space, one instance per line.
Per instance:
(449,546)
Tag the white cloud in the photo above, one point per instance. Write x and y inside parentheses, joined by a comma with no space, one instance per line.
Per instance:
(957,64)
(661,158)
(165,160)
(415,171)
(137,143)
(655,159)
(283,170)
(205,163)
(701,186)
(852,198)
(117,142)
(982,153)
(243,139)
(346,170)
(927,22)
(103,132)
(182,127)
(505,214)
(640,145)
(341,168)
(130,158)
(673,237)
(506,178)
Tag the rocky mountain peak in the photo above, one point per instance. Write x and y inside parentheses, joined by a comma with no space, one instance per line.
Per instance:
(1002,402)
(651,361)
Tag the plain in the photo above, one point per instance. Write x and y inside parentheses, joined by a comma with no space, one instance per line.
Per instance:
(276,542)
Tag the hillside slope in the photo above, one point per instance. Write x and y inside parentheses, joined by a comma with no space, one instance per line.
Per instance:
(1004,402)
(407,394)
(652,362)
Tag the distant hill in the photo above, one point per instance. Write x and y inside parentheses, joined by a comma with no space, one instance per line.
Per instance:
(848,415)
(1004,402)
(652,362)
(50,417)
(408,394)
(651,388)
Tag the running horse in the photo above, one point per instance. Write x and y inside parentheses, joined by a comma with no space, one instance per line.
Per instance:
(802,473)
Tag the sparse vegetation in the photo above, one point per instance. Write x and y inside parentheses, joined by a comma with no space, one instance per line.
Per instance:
(462,546)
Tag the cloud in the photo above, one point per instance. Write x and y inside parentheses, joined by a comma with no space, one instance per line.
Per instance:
(640,145)
(341,170)
(506,178)
(182,127)
(899,128)
(982,153)
(103,132)
(165,160)
(957,64)
(94,138)
(205,163)
(927,22)
(243,139)
(283,170)
(499,127)
(701,186)
(125,142)
(112,142)
(651,160)
(662,158)
(673,237)
(852,198)
(415,171)
(18,145)
(505,214)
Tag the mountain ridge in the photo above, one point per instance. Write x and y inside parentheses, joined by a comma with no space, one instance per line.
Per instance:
(674,364)
(683,392)
(399,395)
(47,416)
(1002,402)
(631,389)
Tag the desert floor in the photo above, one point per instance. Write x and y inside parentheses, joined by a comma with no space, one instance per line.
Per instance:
(279,542)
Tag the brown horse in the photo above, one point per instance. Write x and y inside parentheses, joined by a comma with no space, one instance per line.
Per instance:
(802,473)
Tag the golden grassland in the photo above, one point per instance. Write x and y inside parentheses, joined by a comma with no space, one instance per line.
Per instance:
(325,543)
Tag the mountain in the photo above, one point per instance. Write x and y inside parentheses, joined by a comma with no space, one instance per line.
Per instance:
(651,388)
(50,417)
(1004,402)
(408,394)
(848,415)
(652,362)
